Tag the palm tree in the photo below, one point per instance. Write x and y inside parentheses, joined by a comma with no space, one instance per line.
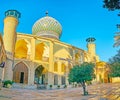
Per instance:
(117,39)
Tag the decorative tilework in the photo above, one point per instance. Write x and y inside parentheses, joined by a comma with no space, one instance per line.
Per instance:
(13,13)
(47,25)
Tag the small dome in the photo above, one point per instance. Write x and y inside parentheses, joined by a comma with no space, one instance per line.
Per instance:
(47,27)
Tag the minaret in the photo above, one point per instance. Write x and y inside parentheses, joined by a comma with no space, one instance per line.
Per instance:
(91,46)
(9,38)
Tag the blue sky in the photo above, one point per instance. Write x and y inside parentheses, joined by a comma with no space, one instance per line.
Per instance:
(80,19)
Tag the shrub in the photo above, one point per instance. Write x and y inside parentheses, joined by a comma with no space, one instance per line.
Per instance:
(58,86)
(50,86)
(65,86)
(6,82)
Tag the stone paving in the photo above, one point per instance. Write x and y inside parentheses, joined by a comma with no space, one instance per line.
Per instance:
(96,92)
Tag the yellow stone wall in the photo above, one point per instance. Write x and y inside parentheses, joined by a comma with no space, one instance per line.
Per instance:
(44,51)
(2,51)
(61,55)
(2,57)
(102,71)
(91,48)
(116,80)
(56,57)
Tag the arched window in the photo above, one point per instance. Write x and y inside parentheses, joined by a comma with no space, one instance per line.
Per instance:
(20,73)
(63,68)
(39,50)
(55,80)
(21,49)
(55,67)
(63,80)
(69,67)
(40,75)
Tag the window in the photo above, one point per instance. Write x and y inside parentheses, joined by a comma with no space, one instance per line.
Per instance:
(63,80)
(63,67)
(69,66)
(55,80)
(55,67)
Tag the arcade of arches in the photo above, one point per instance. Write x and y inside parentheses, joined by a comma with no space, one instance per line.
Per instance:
(20,74)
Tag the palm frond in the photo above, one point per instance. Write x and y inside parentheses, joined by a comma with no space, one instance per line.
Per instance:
(117,43)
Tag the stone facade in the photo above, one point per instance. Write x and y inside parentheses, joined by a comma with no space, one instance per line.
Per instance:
(40,58)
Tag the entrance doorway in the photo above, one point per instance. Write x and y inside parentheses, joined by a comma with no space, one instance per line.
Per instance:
(22,77)
(20,73)
(40,75)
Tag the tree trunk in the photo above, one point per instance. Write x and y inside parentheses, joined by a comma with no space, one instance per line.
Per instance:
(84,88)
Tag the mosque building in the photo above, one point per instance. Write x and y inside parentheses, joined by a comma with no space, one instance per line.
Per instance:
(40,57)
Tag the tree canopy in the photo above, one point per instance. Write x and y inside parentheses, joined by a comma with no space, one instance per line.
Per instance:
(115,70)
(82,73)
(111,4)
(115,58)
(115,65)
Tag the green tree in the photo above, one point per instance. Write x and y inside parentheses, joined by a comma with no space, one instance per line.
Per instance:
(111,5)
(115,58)
(115,69)
(81,74)
(115,65)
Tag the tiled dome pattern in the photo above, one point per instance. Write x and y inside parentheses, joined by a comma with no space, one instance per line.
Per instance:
(47,26)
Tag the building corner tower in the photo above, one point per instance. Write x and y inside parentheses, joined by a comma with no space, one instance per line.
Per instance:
(9,38)
(91,46)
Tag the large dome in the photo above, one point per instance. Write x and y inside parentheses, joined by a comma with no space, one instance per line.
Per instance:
(47,27)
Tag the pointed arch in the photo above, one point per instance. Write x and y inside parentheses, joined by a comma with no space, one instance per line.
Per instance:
(40,72)
(17,62)
(63,53)
(21,49)
(39,50)
(20,73)
(55,67)
(63,68)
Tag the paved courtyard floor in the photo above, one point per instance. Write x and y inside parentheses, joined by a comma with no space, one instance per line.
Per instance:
(107,91)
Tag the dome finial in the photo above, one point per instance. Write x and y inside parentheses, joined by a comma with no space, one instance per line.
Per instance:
(46,13)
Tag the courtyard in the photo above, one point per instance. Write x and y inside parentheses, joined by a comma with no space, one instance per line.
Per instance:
(107,91)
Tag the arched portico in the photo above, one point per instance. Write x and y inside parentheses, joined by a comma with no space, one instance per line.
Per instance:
(40,75)
(20,73)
